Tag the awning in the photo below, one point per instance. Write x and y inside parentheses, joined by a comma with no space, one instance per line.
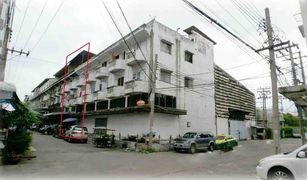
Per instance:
(7,90)
(70,120)
(297,94)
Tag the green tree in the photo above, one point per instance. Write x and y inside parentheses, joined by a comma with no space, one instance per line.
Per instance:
(291,120)
(19,139)
(21,118)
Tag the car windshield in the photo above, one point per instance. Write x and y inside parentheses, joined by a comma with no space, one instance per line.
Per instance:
(189,135)
(79,128)
(220,137)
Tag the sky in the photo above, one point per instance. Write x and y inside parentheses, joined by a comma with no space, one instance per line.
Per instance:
(51,29)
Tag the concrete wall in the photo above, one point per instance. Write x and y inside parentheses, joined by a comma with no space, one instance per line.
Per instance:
(165,125)
(199,100)
(222,125)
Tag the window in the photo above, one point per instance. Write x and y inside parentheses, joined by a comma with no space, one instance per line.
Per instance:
(102,105)
(115,57)
(166,46)
(165,101)
(120,81)
(136,76)
(188,124)
(165,76)
(101,122)
(188,56)
(188,82)
(100,87)
(104,64)
(117,103)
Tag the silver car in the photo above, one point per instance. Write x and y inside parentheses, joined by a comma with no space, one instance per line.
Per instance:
(75,133)
(193,141)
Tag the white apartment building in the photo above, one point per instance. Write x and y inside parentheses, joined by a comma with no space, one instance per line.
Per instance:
(120,76)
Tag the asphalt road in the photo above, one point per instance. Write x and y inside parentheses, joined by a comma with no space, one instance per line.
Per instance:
(57,159)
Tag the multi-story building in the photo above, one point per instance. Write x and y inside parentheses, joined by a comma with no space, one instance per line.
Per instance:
(235,106)
(120,76)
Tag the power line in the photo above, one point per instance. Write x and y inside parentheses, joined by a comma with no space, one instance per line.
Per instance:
(136,41)
(51,20)
(245,13)
(203,14)
(22,21)
(35,25)
(243,27)
(123,38)
(250,10)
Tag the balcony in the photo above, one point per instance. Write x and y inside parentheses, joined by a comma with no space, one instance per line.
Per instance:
(89,98)
(67,88)
(73,85)
(79,100)
(81,82)
(72,102)
(117,65)
(100,95)
(66,103)
(131,61)
(46,97)
(132,87)
(91,77)
(115,91)
(102,72)
(88,90)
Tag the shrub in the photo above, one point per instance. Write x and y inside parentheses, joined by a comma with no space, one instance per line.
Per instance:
(288,132)
(17,143)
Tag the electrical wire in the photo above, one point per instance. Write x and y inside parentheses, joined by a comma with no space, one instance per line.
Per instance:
(136,41)
(123,38)
(22,22)
(50,22)
(243,27)
(35,25)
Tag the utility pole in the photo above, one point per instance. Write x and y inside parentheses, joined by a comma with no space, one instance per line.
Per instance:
(281,98)
(302,67)
(264,92)
(152,99)
(295,81)
(275,116)
(6,13)
(152,86)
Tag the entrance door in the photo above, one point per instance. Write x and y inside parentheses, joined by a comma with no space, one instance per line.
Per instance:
(101,122)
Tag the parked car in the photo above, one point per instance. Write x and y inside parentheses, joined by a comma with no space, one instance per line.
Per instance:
(225,141)
(75,134)
(193,141)
(45,129)
(290,165)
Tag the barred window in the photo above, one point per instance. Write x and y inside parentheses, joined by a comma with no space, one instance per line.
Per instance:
(166,46)
(188,56)
(165,76)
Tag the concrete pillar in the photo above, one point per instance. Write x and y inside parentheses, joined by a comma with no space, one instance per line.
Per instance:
(126,101)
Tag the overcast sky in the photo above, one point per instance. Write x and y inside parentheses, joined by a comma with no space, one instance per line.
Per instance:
(79,21)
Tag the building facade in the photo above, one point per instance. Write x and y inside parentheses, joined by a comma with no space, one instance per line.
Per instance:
(121,75)
(235,106)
